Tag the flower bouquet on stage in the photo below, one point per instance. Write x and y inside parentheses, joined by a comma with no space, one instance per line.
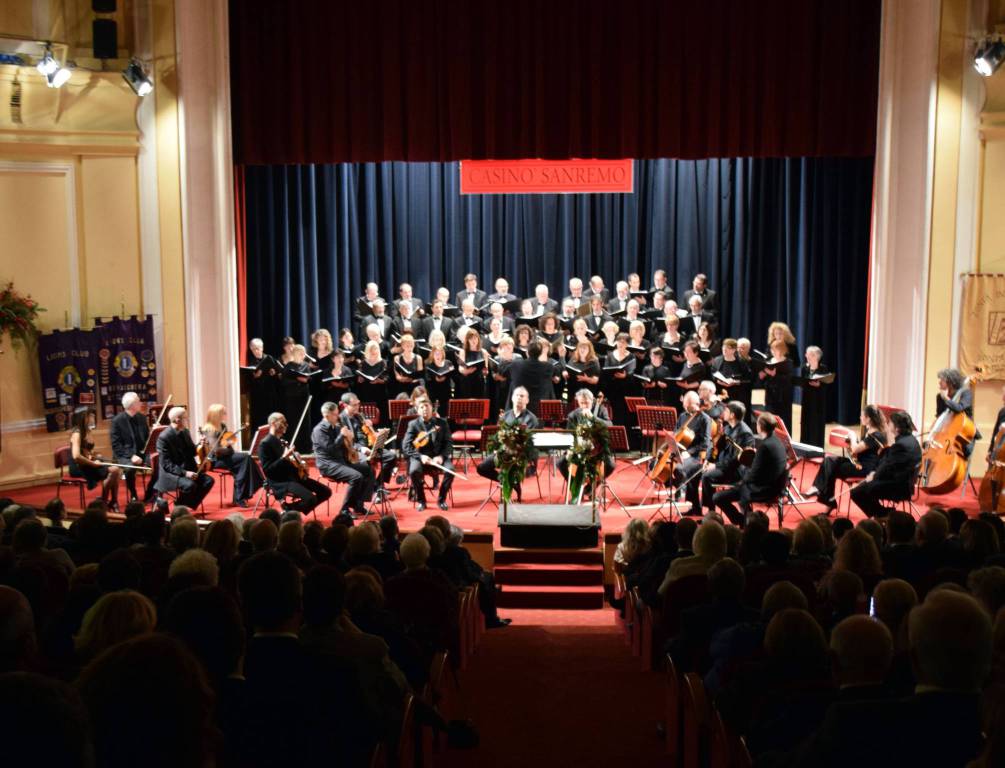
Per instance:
(591,448)
(514,451)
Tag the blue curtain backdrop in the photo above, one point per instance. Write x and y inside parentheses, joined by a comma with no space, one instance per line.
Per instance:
(780,239)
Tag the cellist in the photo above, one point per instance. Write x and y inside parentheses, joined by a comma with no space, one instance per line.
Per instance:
(688,472)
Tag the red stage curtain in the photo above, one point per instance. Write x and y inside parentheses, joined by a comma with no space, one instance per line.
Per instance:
(324,81)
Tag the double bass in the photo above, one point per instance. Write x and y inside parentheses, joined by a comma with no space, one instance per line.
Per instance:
(944,459)
(992,490)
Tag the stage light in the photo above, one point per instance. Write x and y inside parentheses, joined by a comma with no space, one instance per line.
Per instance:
(55,75)
(989,55)
(138,80)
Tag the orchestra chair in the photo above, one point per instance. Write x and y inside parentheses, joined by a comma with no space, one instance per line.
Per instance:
(695,722)
(487,432)
(267,490)
(397,409)
(726,748)
(61,461)
(171,496)
(468,415)
(789,495)
(552,413)
(402,752)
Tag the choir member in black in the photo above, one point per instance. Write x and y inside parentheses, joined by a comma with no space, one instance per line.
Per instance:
(813,421)
(282,474)
(518,414)
(491,340)
(693,368)
(580,332)
(432,433)
(672,339)
(568,316)
(694,318)
(541,304)
(263,385)
(355,421)
(379,318)
(347,343)
(660,284)
(497,310)
(896,471)
(598,315)
(524,336)
(372,333)
(405,296)
(619,302)
(727,470)
(619,365)
(288,344)
(406,321)
(575,293)
(549,328)
(734,373)
(654,378)
(87,464)
(635,287)
(584,412)
(502,294)
(437,322)
(336,458)
(323,345)
(995,434)
(637,343)
(364,304)
(129,434)
(765,479)
(954,395)
(407,368)
(779,331)
(340,378)
(294,391)
(582,369)
(468,319)
(778,385)
(557,359)
(372,376)
(707,343)
(471,292)
(864,452)
(472,362)
(439,370)
(177,469)
(597,289)
(687,473)
(499,373)
(535,374)
(699,288)
(223,455)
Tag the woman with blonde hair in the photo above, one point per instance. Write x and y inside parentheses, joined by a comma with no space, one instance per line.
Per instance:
(635,540)
(371,378)
(438,368)
(220,446)
(116,617)
(857,552)
(779,331)
(323,345)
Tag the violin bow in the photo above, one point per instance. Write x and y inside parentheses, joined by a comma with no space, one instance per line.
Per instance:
(303,414)
(146,448)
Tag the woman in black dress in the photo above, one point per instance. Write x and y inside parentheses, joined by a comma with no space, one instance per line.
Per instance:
(439,372)
(708,345)
(523,335)
(472,362)
(347,344)
(582,369)
(672,339)
(778,385)
(407,367)
(619,365)
(372,376)
(85,463)
(549,328)
(864,452)
(294,391)
(813,421)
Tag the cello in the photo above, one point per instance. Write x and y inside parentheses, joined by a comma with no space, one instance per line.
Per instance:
(944,460)
(662,469)
(992,490)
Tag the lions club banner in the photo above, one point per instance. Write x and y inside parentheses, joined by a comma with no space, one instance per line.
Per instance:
(126,361)
(68,369)
(982,326)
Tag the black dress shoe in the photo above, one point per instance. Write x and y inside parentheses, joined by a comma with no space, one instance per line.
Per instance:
(420,507)
(443,505)
(496,623)
(243,503)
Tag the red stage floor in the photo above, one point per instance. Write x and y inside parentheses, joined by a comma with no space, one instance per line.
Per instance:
(468,497)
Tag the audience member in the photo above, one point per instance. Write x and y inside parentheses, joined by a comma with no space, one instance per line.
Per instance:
(116,617)
(45,723)
(18,645)
(709,548)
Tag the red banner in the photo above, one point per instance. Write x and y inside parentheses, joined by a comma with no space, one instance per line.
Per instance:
(509,177)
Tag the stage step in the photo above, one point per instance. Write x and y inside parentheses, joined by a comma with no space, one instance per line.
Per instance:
(511,556)
(574,575)
(552,597)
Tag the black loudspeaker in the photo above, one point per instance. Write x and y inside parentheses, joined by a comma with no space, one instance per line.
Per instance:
(106,39)
(103,6)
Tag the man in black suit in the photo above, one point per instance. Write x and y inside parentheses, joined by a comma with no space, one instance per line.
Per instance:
(727,469)
(534,374)
(283,477)
(896,472)
(518,414)
(939,725)
(576,293)
(660,284)
(129,435)
(378,318)
(364,303)
(598,314)
(352,418)
(471,291)
(406,321)
(502,294)
(696,315)
(177,470)
(429,457)
(688,471)
(765,479)
(496,310)
(597,289)
(437,322)
(699,288)
(405,295)
(468,318)
(541,303)
(584,412)
(621,298)
(331,441)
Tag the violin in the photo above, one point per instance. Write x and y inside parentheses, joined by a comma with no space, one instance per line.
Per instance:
(370,433)
(992,490)
(944,460)
(351,454)
(296,460)
(422,439)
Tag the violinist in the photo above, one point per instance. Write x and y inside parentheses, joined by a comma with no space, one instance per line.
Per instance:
(219,442)
(710,402)
(765,479)
(86,463)
(864,457)
(359,425)
(896,471)
(129,435)
(178,471)
(584,412)
(727,469)
(337,459)
(281,474)
(688,471)
(518,414)
(428,445)
(954,395)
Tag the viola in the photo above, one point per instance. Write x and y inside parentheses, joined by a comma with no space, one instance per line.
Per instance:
(422,439)
(944,459)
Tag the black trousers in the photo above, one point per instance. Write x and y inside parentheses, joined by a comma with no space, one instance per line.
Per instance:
(417,470)
(834,468)
(726,501)
(308,493)
(869,495)
(359,481)
(388,461)
(130,477)
(728,475)
(192,492)
(688,470)
(246,479)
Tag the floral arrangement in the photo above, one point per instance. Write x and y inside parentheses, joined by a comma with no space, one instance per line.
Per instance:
(514,451)
(18,314)
(591,448)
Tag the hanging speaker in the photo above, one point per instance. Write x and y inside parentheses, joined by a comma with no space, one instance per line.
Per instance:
(105,34)
(103,6)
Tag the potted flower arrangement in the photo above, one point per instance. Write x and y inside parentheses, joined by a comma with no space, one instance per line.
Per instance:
(18,313)
(514,451)
(591,447)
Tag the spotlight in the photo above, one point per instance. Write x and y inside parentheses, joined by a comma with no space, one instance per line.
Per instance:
(989,56)
(55,75)
(59,78)
(138,80)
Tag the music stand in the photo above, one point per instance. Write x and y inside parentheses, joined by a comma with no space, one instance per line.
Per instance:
(552,413)
(619,443)
(655,421)
(672,445)
(552,440)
